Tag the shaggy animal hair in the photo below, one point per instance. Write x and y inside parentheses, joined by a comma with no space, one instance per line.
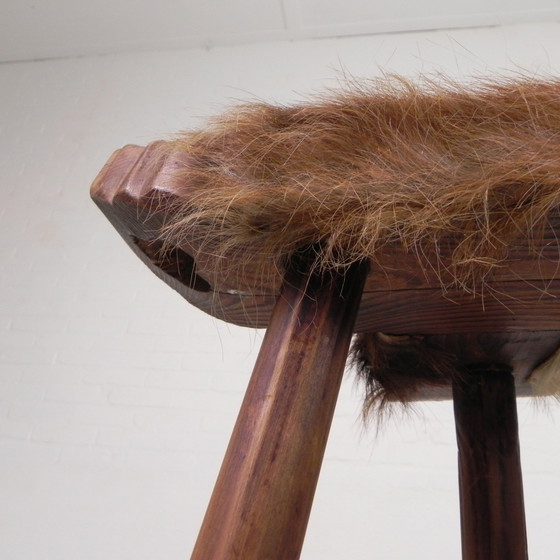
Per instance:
(395,367)
(420,166)
(415,165)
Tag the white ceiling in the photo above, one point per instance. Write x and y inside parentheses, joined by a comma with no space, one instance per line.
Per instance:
(37,29)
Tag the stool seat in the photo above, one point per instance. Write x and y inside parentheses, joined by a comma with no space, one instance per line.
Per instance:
(137,190)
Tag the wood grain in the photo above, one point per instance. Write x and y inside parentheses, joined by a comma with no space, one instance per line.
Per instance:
(262,498)
(490,480)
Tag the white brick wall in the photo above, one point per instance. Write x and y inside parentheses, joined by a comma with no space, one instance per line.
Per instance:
(117,398)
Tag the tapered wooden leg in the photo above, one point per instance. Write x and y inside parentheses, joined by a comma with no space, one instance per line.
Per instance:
(262,499)
(491,488)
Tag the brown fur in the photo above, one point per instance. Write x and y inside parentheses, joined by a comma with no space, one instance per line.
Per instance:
(396,368)
(396,163)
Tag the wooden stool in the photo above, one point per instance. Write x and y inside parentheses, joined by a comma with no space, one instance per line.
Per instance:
(262,498)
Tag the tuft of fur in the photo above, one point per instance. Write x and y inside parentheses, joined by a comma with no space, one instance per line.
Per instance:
(394,368)
(420,165)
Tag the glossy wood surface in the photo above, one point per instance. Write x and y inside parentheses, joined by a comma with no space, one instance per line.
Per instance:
(262,498)
(490,480)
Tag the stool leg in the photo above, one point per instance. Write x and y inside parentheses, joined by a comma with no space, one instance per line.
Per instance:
(262,498)
(491,488)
